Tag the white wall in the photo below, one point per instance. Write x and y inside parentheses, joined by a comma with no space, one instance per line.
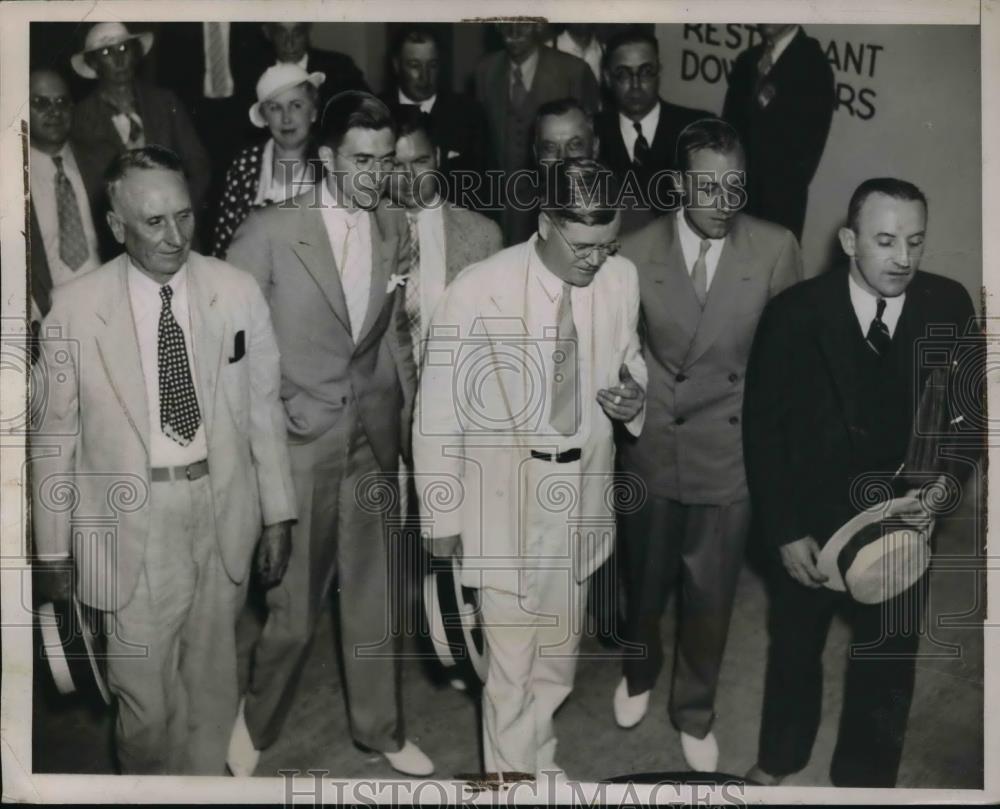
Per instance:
(909,107)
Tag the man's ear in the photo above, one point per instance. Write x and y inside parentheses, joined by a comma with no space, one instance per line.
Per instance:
(848,240)
(117,226)
(544,225)
(326,157)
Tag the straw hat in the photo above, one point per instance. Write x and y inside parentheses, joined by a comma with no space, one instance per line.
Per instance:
(276,79)
(106,35)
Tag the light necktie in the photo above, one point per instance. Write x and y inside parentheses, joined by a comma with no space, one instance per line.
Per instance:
(564,414)
(699,273)
(218,69)
(764,66)
(73,248)
(411,300)
(518,92)
(350,277)
(179,413)
(640,152)
(879,340)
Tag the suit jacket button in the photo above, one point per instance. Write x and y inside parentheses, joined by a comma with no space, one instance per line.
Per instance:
(734,420)
(679,420)
(733,377)
(680,377)
(343,400)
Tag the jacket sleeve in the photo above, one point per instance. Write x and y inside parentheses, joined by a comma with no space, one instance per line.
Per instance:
(251,250)
(788,268)
(633,348)
(268,443)
(55,379)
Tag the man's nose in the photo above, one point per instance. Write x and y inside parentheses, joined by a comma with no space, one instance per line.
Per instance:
(903,255)
(286,116)
(173,235)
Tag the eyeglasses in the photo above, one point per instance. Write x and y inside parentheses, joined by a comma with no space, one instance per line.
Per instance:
(47,104)
(589,251)
(120,48)
(367,162)
(626,75)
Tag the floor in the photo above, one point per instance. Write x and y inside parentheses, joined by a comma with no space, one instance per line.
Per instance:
(943,748)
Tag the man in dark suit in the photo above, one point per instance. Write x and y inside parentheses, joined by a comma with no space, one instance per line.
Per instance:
(830,394)
(64,242)
(639,133)
(705,275)
(458,122)
(330,262)
(511,85)
(780,99)
(290,43)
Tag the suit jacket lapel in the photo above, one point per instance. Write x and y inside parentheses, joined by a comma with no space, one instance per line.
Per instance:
(733,268)
(454,243)
(837,339)
(671,281)
(207,334)
(385,245)
(312,246)
(118,348)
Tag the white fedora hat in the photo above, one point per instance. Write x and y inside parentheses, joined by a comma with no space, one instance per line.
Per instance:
(71,640)
(276,79)
(453,621)
(877,554)
(106,35)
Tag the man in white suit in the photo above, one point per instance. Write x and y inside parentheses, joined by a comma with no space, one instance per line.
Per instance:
(532,356)
(162,375)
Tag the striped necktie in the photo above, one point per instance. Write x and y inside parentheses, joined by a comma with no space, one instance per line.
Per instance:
(218,68)
(411,301)
(879,340)
(564,414)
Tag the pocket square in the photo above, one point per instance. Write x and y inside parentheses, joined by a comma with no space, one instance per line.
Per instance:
(239,346)
(452,154)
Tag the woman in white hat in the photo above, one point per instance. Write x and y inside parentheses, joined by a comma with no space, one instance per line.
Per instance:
(286,164)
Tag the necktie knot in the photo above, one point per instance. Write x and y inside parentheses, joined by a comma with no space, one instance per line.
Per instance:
(638,128)
(166,293)
(704,247)
(880,305)
(57,159)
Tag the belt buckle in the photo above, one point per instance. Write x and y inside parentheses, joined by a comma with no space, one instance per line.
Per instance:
(187,471)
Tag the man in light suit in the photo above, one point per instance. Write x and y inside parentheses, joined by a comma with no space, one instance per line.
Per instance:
(532,358)
(331,263)
(511,85)
(705,274)
(162,373)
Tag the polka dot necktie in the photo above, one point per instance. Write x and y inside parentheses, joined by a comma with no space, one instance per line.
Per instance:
(73,248)
(879,340)
(179,413)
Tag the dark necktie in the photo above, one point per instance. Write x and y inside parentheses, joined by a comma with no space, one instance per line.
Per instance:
(640,152)
(563,415)
(518,92)
(72,242)
(879,339)
(179,413)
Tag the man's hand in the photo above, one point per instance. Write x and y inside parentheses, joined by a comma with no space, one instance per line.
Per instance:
(444,546)
(799,558)
(273,552)
(52,580)
(923,515)
(622,402)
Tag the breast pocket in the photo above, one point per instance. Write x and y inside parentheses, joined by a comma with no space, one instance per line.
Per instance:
(235,380)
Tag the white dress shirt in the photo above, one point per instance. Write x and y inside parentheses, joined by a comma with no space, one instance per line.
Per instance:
(592,54)
(781,43)
(228,85)
(271,188)
(144,296)
(691,247)
(350,238)
(430,231)
(528,67)
(543,294)
(425,106)
(865,305)
(42,173)
(649,122)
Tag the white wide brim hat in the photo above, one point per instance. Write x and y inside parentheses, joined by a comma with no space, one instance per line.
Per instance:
(877,554)
(105,35)
(453,622)
(276,79)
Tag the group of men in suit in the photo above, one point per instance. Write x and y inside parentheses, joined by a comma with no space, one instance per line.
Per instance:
(373,303)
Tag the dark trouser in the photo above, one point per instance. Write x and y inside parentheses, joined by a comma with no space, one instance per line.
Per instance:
(702,546)
(336,536)
(878,690)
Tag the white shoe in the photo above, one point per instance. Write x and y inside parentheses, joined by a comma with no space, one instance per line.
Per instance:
(629,711)
(410,760)
(242,756)
(701,755)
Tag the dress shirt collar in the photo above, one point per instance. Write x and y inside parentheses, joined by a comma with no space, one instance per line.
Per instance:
(689,235)
(550,283)
(147,288)
(866,305)
(425,106)
(782,42)
(648,122)
(44,161)
(567,44)
(332,207)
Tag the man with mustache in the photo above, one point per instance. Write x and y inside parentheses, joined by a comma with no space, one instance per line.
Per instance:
(705,274)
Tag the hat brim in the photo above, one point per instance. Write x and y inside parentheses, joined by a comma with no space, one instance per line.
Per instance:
(468,616)
(257,117)
(827,561)
(79,63)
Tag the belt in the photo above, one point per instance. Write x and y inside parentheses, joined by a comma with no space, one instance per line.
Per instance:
(568,456)
(190,472)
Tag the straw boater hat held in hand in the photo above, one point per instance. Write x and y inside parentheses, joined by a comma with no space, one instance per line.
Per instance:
(275,80)
(879,553)
(106,35)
